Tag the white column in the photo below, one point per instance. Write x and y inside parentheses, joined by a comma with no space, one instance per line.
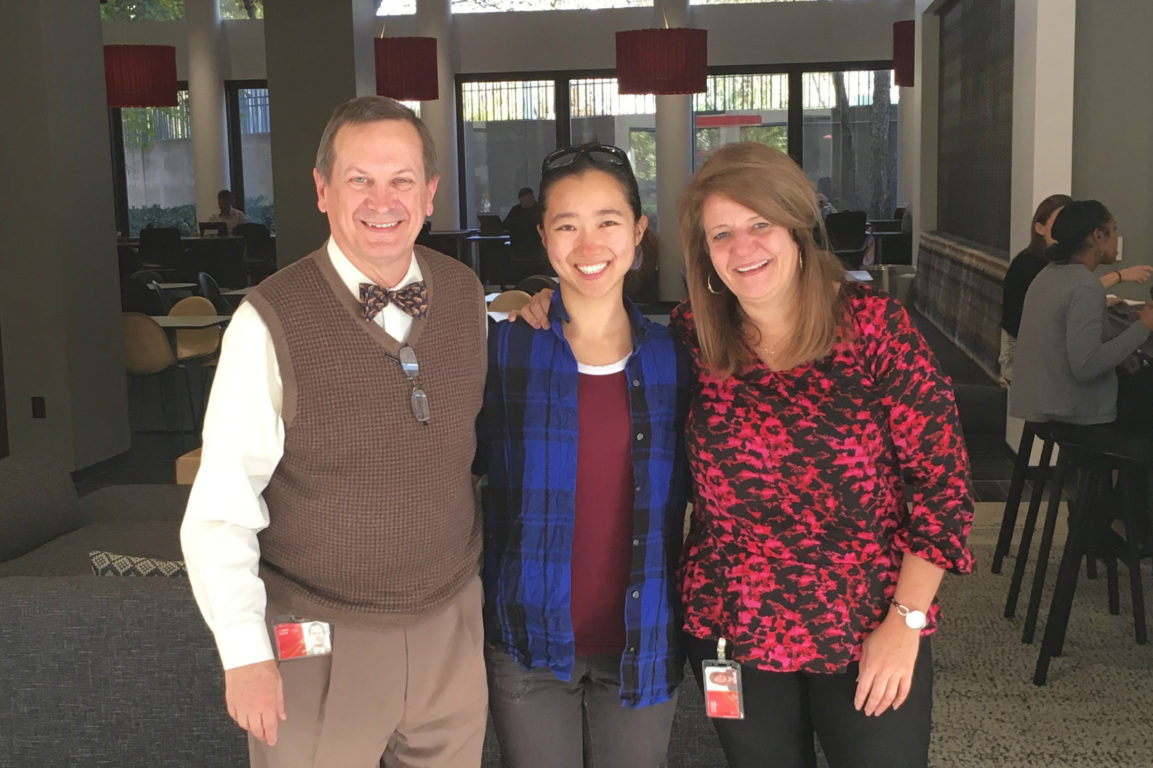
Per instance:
(1043,40)
(59,292)
(319,55)
(674,162)
(434,19)
(1044,33)
(206,54)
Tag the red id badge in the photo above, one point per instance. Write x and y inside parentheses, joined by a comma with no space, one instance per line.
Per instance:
(297,639)
(723,695)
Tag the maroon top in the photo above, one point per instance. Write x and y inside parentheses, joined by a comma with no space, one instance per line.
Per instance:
(800,522)
(603,529)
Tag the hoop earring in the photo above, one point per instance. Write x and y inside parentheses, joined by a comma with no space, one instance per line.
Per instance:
(709,284)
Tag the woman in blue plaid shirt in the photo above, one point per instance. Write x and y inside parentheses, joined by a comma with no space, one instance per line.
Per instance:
(583,436)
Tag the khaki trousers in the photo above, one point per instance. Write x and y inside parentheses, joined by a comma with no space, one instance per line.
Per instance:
(399,698)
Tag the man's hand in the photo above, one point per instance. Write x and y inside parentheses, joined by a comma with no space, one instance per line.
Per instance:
(535,313)
(1135,274)
(886,669)
(255,697)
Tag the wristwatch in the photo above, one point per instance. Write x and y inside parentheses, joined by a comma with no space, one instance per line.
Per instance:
(914,619)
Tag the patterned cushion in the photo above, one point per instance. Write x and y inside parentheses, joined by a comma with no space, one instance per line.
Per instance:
(112,564)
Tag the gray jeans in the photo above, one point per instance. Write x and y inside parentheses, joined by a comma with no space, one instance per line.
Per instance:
(544,721)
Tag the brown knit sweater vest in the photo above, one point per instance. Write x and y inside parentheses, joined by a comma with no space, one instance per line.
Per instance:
(372,514)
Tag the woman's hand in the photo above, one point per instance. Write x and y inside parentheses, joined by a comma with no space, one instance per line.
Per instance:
(535,313)
(1145,315)
(1135,274)
(886,668)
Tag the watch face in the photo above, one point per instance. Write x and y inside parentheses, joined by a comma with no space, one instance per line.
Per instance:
(916,620)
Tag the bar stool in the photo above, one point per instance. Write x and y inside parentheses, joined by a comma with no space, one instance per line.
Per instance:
(1099,451)
(1013,502)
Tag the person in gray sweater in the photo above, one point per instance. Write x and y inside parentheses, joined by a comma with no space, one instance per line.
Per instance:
(1064,362)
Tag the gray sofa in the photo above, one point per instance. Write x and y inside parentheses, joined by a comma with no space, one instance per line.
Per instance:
(120,670)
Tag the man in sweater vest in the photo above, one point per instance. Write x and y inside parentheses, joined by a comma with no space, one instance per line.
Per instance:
(334,486)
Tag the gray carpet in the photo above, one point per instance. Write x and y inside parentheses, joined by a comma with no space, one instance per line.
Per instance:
(1097,708)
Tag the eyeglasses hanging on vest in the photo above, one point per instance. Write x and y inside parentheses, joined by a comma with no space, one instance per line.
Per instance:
(407,359)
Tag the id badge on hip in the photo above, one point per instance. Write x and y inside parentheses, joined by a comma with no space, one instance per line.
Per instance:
(300,638)
(724,697)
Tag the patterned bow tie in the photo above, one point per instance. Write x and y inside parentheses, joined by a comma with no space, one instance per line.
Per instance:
(411,299)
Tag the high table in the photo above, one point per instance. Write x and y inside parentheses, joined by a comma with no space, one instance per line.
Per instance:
(474,253)
(457,236)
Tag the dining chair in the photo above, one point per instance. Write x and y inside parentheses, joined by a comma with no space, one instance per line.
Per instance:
(509,300)
(535,283)
(848,237)
(210,290)
(160,247)
(259,251)
(195,342)
(147,352)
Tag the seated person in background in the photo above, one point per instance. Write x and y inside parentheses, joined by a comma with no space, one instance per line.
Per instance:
(229,215)
(1026,266)
(521,223)
(1064,367)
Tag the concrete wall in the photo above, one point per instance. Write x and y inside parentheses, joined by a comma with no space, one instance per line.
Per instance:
(1113,121)
(59,241)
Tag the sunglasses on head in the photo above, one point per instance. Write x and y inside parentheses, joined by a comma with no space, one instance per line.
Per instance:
(599,154)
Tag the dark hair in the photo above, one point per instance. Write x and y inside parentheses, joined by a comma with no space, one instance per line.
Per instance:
(1076,222)
(1044,210)
(524,191)
(623,173)
(370,109)
(224,193)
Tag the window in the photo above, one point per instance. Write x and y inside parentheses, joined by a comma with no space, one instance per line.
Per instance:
(494,6)
(242,9)
(250,151)
(599,113)
(142,10)
(743,2)
(753,107)
(396,8)
(850,139)
(158,167)
(509,126)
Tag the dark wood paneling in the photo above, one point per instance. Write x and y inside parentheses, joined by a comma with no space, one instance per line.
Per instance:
(975,142)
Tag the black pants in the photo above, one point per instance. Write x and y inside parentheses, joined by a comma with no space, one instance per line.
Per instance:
(784,710)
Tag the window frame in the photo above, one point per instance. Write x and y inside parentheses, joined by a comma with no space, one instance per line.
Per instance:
(232,90)
(120,165)
(563,78)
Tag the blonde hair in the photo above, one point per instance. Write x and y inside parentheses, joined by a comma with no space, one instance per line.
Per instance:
(770,183)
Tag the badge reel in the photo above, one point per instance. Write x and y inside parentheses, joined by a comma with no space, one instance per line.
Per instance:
(300,638)
(724,697)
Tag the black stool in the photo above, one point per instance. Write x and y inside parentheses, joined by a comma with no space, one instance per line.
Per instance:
(1013,502)
(1099,451)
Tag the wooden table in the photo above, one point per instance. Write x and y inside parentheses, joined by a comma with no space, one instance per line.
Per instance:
(238,291)
(175,286)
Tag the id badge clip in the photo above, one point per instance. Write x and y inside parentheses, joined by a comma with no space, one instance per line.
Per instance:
(724,697)
(299,638)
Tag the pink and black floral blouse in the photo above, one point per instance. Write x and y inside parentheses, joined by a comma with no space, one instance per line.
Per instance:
(800,520)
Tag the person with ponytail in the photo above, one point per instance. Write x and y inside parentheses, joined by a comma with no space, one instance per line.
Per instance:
(1027,264)
(1065,361)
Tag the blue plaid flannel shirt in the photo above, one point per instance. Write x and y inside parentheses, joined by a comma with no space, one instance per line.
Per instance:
(528,446)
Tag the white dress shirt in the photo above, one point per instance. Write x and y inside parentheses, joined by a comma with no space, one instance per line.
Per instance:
(243,441)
